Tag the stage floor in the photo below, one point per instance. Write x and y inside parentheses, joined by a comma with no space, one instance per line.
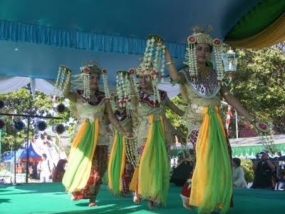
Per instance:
(50,198)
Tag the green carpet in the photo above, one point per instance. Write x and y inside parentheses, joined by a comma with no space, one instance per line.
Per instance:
(50,198)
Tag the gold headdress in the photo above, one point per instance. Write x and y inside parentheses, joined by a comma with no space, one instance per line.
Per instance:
(153,63)
(85,74)
(199,36)
(80,81)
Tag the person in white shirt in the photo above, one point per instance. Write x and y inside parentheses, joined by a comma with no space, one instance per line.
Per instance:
(44,169)
(238,174)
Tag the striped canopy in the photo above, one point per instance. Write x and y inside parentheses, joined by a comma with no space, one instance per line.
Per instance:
(38,36)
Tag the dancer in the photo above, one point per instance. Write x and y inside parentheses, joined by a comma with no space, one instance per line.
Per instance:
(201,87)
(151,176)
(122,158)
(87,160)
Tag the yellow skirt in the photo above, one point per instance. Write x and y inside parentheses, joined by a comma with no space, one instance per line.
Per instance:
(211,185)
(81,155)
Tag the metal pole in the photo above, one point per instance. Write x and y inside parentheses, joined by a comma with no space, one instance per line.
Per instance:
(11,166)
(236,124)
(27,156)
(0,144)
(14,169)
(28,135)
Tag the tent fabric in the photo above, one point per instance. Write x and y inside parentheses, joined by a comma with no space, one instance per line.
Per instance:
(38,34)
(10,84)
(268,28)
(269,36)
(9,155)
(252,150)
(249,147)
(31,153)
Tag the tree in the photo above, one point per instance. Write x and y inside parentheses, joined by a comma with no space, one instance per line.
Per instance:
(175,119)
(22,102)
(259,84)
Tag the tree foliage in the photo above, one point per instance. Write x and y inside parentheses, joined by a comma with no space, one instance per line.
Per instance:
(177,121)
(22,102)
(248,171)
(259,84)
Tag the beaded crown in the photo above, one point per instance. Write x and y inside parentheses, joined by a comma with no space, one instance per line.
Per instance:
(153,59)
(92,69)
(199,36)
(80,81)
(152,64)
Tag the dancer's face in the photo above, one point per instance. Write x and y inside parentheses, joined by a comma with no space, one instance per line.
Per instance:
(203,52)
(145,82)
(94,81)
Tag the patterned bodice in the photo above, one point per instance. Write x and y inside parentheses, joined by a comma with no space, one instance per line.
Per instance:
(150,106)
(203,86)
(199,93)
(202,92)
(90,109)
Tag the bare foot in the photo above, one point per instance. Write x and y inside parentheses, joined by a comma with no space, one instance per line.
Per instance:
(187,206)
(136,199)
(92,204)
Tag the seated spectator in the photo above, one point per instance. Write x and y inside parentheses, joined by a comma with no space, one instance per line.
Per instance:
(264,171)
(238,174)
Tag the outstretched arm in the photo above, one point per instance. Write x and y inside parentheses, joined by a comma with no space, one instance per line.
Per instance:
(234,102)
(175,76)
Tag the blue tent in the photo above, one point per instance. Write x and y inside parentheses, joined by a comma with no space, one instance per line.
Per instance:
(31,153)
(9,155)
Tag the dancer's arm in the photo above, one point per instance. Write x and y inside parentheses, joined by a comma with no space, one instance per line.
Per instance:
(234,102)
(174,75)
(133,94)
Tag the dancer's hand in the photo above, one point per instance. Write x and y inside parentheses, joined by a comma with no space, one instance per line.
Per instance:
(157,39)
(181,137)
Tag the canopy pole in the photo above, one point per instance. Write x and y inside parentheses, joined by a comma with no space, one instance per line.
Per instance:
(0,143)
(236,124)
(27,156)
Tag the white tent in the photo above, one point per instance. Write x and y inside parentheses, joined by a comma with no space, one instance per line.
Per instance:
(9,84)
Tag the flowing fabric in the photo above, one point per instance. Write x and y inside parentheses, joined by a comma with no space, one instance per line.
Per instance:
(153,179)
(81,156)
(212,178)
(116,164)
(134,181)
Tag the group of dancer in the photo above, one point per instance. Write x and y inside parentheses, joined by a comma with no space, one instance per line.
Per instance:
(138,160)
